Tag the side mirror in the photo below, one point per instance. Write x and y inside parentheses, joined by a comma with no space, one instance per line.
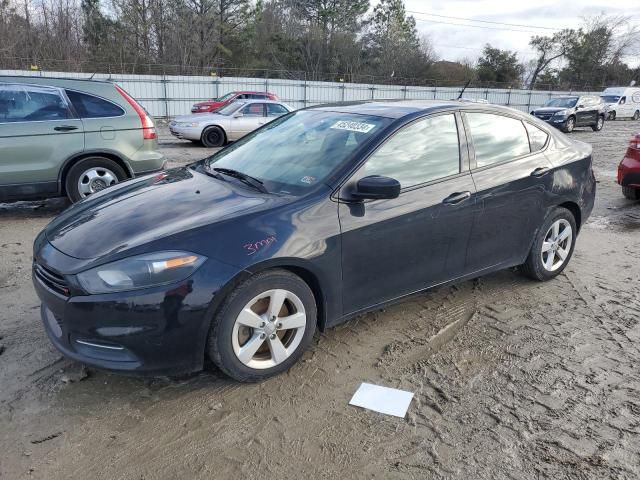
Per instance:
(376,187)
(237,115)
(581,106)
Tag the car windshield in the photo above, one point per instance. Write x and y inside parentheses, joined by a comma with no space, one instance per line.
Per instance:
(225,97)
(231,108)
(299,150)
(610,98)
(567,102)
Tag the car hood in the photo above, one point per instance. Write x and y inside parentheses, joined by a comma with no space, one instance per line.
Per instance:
(138,212)
(549,109)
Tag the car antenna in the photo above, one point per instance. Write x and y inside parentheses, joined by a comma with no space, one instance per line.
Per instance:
(463,89)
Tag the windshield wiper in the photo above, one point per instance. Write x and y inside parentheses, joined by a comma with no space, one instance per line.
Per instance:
(243,177)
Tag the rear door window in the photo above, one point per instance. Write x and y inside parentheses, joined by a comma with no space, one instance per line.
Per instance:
(537,137)
(30,103)
(89,106)
(497,138)
(275,110)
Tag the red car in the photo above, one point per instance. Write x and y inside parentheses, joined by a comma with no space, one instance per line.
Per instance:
(629,170)
(216,103)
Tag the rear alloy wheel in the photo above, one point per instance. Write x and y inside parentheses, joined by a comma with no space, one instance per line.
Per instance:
(553,246)
(570,125)
(636,115)
(263,327)
(213,137)
(631,193)
(599,124)
(92,175)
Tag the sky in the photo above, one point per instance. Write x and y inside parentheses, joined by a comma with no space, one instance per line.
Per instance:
(454,42)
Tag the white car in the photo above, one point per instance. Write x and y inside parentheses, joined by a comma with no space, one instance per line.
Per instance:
(230,123)
(622,102)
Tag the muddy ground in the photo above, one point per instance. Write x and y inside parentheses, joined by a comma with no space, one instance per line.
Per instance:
(513,378)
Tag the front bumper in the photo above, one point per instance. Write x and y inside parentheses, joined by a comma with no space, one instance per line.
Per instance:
(186,133)
(158,330)
(558,122)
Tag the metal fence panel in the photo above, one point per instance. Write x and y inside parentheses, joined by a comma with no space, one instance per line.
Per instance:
(171,95)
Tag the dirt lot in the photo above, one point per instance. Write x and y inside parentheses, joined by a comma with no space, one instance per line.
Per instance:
(513,379)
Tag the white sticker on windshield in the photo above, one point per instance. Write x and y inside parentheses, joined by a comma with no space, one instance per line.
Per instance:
(353,126)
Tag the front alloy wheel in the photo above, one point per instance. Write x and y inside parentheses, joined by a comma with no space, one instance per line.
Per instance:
(263,326)
(570,125)
(269,329)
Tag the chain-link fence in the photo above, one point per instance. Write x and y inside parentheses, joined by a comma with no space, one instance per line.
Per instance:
(167,95)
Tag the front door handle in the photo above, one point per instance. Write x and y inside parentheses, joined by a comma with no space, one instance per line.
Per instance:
(456,198)
(540,171)
(65,128)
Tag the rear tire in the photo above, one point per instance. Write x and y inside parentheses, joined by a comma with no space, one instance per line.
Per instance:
(251,339)
(570,125)
(631,193)
(91,175)
(213,137)
(612,115)
(636,115)
(599,124)
(553,246)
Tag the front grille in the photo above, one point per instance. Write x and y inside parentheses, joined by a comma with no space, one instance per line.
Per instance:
(544,116)
(55,282)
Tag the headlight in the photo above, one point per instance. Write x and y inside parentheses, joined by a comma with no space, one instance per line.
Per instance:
(561,113)
(140,271)
(186,124)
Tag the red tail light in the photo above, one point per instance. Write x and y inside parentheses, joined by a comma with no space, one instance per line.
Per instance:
(635,142)
(148,128)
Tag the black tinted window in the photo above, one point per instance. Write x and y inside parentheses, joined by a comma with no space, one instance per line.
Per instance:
(89,106)
(21,103)
(497,138)
(537,137)
(257,96)
(423,151)
(275,109)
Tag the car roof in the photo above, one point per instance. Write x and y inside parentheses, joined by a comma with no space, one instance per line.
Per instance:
(401,108)
(251,91)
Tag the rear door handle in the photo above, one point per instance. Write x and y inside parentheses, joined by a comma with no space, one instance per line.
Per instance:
(540,171)
(65,128)
(456,198)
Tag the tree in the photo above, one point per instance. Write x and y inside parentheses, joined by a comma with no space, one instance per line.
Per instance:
(499,66)
(549,49)
(394,47)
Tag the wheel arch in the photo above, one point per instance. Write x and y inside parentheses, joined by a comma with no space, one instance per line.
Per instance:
(224,132)
(574,208)
(70,162)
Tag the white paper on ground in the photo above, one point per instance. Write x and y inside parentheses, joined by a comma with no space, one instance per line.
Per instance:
(382,399)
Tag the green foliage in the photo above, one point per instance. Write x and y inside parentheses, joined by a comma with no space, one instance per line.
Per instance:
(500,66)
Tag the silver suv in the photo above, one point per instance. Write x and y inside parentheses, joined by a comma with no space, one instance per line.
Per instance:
(71,137)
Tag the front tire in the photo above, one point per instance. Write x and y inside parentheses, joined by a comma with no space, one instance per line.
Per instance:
(263,327)
(91,175)
(570,125)
(612,115)
(553,246)
(213,137)
(631,193)
(636,115)
(599,124)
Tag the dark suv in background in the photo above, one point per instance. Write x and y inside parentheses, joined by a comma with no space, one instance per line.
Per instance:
(70,137)
(572,111)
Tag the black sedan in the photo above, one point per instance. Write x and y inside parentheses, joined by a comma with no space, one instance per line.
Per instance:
(320,215)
